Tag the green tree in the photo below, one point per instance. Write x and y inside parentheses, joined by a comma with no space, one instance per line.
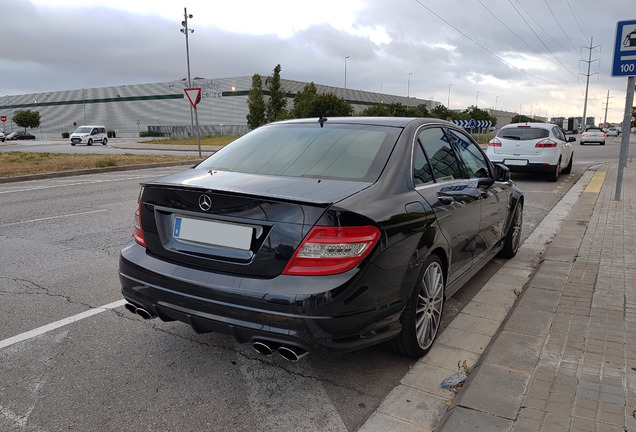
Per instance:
(303,100)
(474,113)
(277,98)
(330,105)
(520,118)
(256,103)
(27,119)
(307,103)
(441,112)
(376,111)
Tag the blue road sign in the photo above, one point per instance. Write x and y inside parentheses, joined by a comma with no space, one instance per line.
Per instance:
(624,63)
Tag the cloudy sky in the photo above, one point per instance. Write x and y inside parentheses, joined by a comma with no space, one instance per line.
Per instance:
(521,55)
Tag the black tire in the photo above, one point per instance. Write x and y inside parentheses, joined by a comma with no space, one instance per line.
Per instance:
(568,169)
(602,143)
(554,174)
(422,315)
(104,141)
(72,143)
(512,241)
(90,142)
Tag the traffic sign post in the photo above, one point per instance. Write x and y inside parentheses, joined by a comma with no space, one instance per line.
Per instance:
(194,96)
(624,64)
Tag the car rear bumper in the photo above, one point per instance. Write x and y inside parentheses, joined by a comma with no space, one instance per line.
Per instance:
(286,310)
(525,166)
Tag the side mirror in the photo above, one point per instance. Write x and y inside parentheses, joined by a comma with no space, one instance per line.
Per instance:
(501,172)
(571,139)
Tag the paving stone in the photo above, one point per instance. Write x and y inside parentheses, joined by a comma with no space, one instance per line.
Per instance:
(495,390)
(460,419)
(541,299)
(517,351)
(529,321)
(413,406)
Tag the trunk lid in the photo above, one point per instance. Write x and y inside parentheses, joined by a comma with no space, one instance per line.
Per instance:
(234,222)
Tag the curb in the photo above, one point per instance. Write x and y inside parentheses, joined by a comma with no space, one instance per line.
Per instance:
(94,171)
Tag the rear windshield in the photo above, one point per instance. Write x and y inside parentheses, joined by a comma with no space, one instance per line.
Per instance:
(336,151)
(523,133)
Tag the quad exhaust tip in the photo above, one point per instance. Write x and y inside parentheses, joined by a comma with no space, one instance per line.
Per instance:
(288,352)
(139,311)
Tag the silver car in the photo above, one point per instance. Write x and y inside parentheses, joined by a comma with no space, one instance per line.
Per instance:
(593,135)
(533,147)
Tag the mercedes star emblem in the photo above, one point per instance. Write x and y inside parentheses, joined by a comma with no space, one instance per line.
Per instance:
(205,202)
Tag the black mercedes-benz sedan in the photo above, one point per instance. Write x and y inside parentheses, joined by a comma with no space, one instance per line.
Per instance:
(322,235)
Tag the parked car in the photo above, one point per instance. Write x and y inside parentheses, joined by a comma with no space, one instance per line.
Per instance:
(89,134)
(613,131)
(533,147)
(322,235)
(20,135)
(593,135)
(2,137)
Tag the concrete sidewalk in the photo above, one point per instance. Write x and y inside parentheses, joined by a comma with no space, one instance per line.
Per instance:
(550,339)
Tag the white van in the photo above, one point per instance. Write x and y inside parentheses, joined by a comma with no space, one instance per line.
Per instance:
(89,134)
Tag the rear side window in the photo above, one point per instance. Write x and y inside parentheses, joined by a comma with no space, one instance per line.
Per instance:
(336,151)
(473,158)
(440,154)
(523,133)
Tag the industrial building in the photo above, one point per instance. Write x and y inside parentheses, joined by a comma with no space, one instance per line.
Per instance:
(164,107)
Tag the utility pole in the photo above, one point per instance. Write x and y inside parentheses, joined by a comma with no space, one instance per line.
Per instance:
(587,82)
(606,106)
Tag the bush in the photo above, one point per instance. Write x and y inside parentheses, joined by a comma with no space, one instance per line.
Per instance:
(110,133)
(106,162)
(145,134)
(65,134)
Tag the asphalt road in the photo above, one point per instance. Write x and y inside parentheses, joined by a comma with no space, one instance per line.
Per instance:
(113,371)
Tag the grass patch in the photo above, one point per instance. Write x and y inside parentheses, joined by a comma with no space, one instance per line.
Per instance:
(19,163)
(216,140)
(106,162)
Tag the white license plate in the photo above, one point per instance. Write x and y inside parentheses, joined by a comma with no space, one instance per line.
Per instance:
(212,233)
(516,162)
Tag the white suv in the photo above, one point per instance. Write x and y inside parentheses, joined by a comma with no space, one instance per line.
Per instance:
(89,134)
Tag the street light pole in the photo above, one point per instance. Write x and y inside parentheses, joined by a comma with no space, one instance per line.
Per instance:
(448,103)
(185,30)
(408,89)
(477,99)
(345,61)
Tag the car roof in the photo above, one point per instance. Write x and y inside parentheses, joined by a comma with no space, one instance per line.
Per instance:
(530,124)
(378,121)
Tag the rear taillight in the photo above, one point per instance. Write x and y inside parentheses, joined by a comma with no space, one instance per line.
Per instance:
(494,143)
(139,234)
(332,250)
(546,143)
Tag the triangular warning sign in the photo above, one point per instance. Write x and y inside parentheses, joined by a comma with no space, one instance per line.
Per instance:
(194,94)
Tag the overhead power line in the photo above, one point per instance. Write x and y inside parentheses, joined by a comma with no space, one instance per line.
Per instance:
(560,26)
(518,37)
(575,19)
(540,40)
(483,47)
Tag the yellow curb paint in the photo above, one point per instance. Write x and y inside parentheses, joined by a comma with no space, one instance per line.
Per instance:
(594,186)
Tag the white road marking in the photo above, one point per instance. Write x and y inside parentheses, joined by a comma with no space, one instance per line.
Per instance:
(52,217)
(61,323)
(36,188)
